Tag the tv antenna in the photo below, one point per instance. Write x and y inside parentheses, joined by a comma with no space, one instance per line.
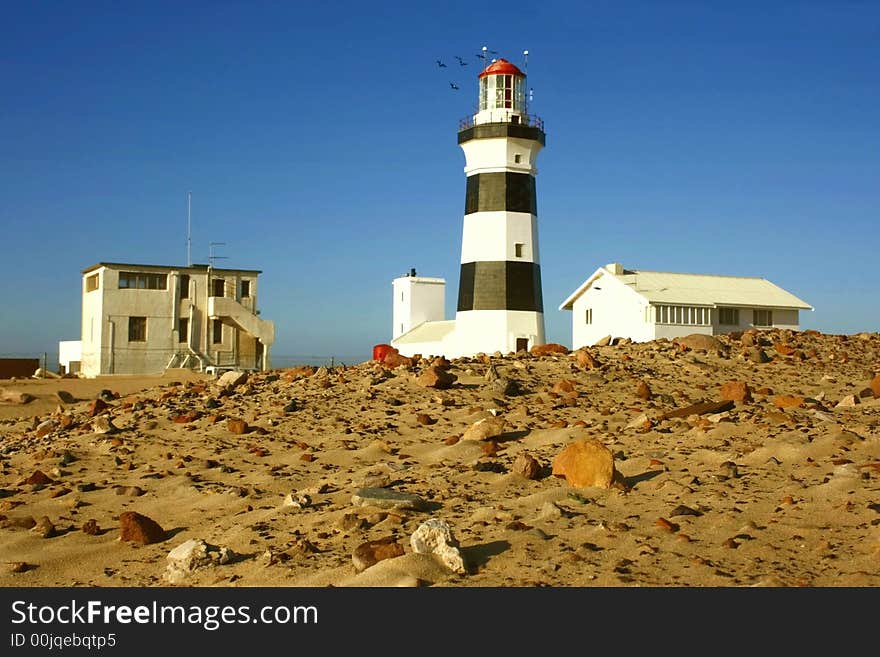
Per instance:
(188,229)
(212,257)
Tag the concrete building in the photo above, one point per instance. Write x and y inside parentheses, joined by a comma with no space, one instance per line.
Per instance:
(645,305)
(142,319)
(500,304)
(69,356)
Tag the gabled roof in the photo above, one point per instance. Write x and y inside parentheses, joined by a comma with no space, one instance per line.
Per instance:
(694,289)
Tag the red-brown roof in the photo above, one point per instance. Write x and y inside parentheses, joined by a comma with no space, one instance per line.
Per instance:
(501,67)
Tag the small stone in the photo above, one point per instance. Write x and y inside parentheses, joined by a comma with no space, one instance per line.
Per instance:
(434,377)
(737,391)
(229,380)
(485,429)
(236,425)
(91,527)
(139,528)
(104,425)
(385,498)
(44,528)
(435,536)
(643,391)
(19,566)
(372,552)
(66,397)
(526,466)
(39,478)
(663,523)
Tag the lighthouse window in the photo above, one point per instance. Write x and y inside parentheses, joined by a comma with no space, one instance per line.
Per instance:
(484,86)
(503,91)
(518,249)
(517,158)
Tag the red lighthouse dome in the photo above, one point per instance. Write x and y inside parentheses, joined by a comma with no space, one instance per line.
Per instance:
(502,67)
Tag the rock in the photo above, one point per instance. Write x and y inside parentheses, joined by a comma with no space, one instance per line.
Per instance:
(485,429)
(130,491)
(549,349)
(701,408)
(139,528)
(491,374)
(103,424)
(526,466)
(585,462)
(19,566)
(737,391)
(788,401)
(848,401)
(434,377)
(15,397)
(192,555)
(296,501)
(385,498)
(586,360)
(44,528)
(643,391)
(237,426)
(603,342)
(506,387)
(91,527)
(372,552)
(564,387)
(874,385)
(393,360)
(39,478)
(700,342)
(435,536)
(231,379)
(96,407)
(757,355)
(66,397)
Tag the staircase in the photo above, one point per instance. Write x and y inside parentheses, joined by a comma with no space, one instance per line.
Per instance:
(232,312)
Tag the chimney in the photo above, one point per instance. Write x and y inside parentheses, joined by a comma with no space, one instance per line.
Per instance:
(615,268)
(412,272)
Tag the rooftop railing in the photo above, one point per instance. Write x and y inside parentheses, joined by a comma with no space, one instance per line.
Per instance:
(529,120)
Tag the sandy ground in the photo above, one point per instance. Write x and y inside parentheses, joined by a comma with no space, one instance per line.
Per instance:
(779,490)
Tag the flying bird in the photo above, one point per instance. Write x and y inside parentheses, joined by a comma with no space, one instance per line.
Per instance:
(461,61)
(440,64)
(453,85)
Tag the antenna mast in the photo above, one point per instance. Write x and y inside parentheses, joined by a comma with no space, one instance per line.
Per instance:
(188,230)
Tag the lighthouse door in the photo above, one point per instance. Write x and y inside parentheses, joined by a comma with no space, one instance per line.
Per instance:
(522,344)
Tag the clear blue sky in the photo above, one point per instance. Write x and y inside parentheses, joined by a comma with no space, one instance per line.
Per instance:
(319,143)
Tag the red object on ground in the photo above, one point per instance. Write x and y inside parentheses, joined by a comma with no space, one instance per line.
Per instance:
(382,350)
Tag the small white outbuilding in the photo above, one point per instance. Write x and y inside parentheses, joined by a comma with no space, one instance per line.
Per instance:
(646,305)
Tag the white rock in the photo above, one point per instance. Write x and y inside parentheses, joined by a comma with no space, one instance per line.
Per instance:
(191,555)
(232,379)
(435,536)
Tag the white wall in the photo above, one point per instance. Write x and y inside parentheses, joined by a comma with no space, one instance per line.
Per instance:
(489,331)
(617,311)
(491,236)
(416,300)
(499,154)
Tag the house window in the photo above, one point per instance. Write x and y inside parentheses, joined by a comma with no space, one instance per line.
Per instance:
(92,283)
(588,316)
(762,317)
(184,286)
(518,249)
(217,331)
(728,316)
(218,287)
(183,329)
(141,281)
(684,315)
(245,289)
(137,329)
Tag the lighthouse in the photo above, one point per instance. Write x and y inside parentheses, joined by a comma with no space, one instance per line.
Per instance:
(500,303)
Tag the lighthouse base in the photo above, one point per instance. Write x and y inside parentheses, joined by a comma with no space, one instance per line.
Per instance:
(473,332)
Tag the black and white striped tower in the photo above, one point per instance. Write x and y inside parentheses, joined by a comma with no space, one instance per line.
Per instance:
(500,305)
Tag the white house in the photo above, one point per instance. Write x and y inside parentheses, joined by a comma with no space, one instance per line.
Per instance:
(142,319)
(645,305)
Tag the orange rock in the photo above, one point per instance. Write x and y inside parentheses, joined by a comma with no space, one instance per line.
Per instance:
(526,466)
(434,377)
(393,359)
(875,386)
(783,348)
(643,391)
(585,462)
(736,391)
(787,401)
(548,349)
(563,386)
(586,360)
(236,425)
(663,523)
(139,528)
